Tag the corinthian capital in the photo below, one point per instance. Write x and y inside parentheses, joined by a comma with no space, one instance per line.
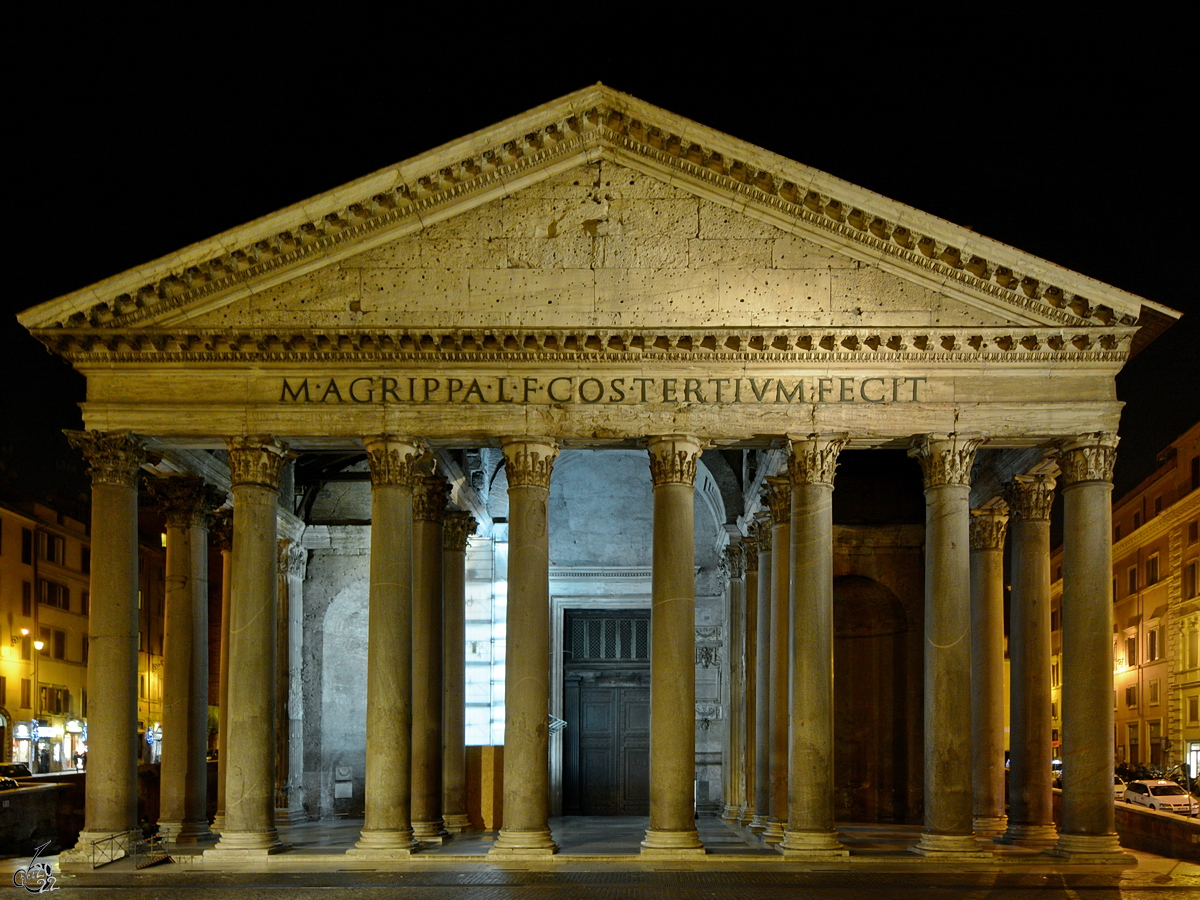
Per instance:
(394,460)
(762,533)
(1030,497)
(185,500)
(112,457)
(735,559)
(813,459)
(220,528)
(1089,457)
(456,528)
(988,527)
(529,461)
(673,459)
(945,458)
(779,496)
(429,498)
(257,459)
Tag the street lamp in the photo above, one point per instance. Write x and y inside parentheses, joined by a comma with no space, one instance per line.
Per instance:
(37,697)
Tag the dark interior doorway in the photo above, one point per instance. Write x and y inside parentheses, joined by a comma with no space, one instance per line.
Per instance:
(606,705)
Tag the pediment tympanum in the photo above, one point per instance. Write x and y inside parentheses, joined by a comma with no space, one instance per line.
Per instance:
(665,274)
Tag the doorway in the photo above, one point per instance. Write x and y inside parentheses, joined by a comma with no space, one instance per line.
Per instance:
(606,706)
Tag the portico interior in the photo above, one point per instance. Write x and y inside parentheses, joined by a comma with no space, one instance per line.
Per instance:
(601,358)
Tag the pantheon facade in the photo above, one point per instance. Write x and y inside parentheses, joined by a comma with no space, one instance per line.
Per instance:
(599,364)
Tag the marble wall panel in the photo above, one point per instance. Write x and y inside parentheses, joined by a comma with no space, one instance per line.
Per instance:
(774,296)
(658,297)
(532,297)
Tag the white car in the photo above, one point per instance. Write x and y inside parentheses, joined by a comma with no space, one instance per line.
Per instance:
(1159,794)
(1118,788)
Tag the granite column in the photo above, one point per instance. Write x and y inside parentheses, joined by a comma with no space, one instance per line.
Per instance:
(987,668)
(221,530)
(458,527)
(779,495)
(735,784)
(750,691)
(762,688)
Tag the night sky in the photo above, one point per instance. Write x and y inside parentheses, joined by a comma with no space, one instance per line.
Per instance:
(1065,139)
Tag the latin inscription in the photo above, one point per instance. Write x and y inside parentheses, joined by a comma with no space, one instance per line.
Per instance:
(376,389)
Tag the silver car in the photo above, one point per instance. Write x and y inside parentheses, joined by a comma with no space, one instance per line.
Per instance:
(1164,795)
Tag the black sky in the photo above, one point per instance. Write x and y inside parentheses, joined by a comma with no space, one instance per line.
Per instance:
(1070,140)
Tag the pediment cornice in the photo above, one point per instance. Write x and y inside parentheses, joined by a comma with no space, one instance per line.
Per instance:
(594,123)
(784,345)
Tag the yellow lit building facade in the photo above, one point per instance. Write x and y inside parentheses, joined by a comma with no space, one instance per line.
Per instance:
(1156,615)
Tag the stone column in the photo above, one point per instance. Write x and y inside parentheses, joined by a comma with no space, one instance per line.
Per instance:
(672,830)
(457,528)
(779,495)
(750,691)
(1031,819)
(111,793)
(735,793)
(290,562)
(387,827)
(946,465)
(526,822)
(762,689)
(183,793)
(255,466)
(220,528)
(987,668)
(810,831)
(429,505)
(1088,831)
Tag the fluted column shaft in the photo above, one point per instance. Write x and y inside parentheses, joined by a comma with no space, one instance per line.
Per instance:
(429,505)
(673,649)
(387,827)
(750,688)
(1088,821)
(734,783)
(779,495)
(1031,818)
(762,691)
(221,528)
(186,502)
(810,830)
(111,791)
(255,464)
(526,828)
(458,527)
(946,465)
(987,668)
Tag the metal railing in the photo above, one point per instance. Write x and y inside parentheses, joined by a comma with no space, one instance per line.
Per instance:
(146,851)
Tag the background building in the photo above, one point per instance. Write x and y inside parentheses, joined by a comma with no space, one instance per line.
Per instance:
(1156,614)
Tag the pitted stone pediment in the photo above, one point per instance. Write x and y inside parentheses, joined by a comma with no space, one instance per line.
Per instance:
(597,211)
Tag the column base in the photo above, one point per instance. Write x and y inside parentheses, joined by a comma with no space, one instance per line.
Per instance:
(731,814)
(1102,849)
(218,824)
(429,832)
(672,843)
(989,825)
(524,843)
(949,846)
(397,844)
(246,845)
(187,832)
(1038,835)
(811,845)
(758,824)
(283,816)
(773,832)
(456,823)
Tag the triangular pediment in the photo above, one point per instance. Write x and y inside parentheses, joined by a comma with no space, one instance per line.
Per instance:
(597,213)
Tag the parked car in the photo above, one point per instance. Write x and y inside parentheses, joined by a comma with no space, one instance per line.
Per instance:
(9,784)
(1118,788)
(14,770)
(1159,794)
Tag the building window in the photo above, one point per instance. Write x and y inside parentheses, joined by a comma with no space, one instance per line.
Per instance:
(1054,673)
(1189,579)
(51,547)
(1131,696)
(1155,738)
(84,602)
(85,649)
(1154,692)
(3,691)
(60,644)
(1137,521)
(1133,579)
(1131,651)
(47,639)
(1193,649)
(1152,649)
(85,559)
(27,647)
(1157,505)
(1152,570)
(1195,472)
(26,546)
(1116,533)
(26,694)
(26,598)
(1053,710)
(1193,710)
(1133,730)
(1193,529)
(54,594)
